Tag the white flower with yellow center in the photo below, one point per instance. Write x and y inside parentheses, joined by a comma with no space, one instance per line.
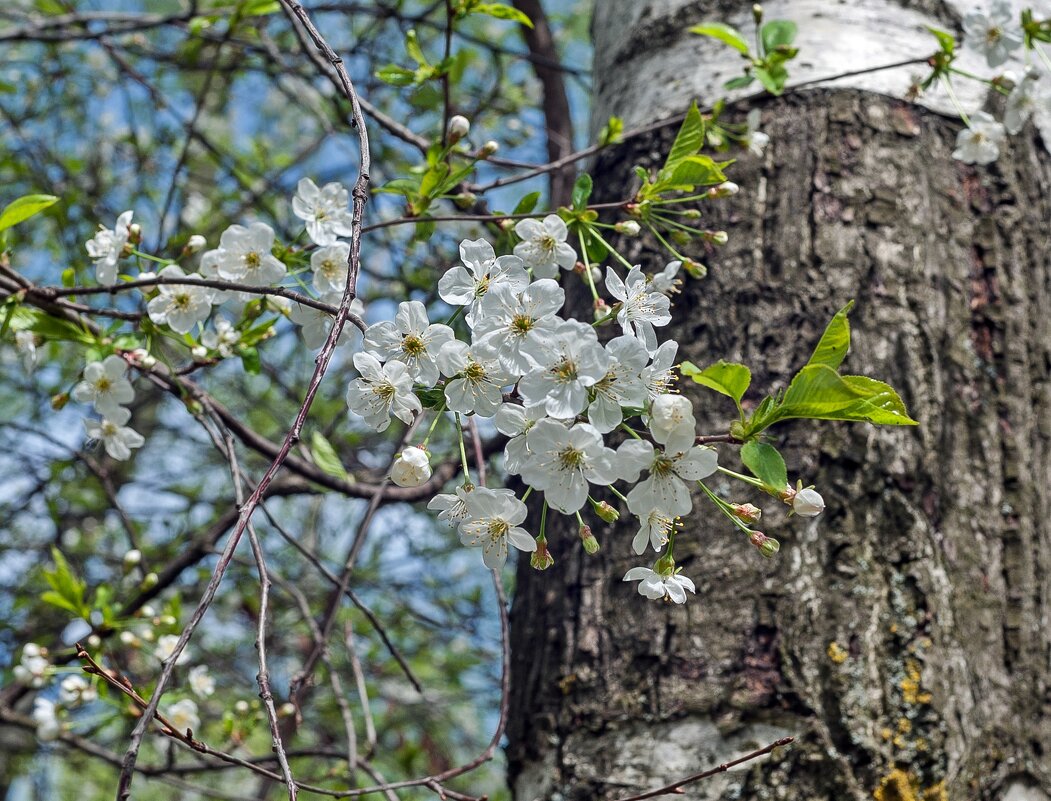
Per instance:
(118,439)
(562,461)
(105,385)
(330,265)
(107,248)
(517,327)
(476,383)
(482,269)
(665,488)
(641,307)
(543,247)
(411,339)
(493,523)
(573,362)
(183,716)
(180,306)
(323,210)
(382,391)
(244,255)
(671,585)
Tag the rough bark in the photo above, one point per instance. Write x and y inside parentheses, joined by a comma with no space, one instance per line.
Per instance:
(902,637)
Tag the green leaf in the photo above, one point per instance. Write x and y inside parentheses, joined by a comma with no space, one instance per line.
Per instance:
(500,11)
(689,138)
(690,172)
(68,589)
(818,392)
(835,342)
(396,76)
(412,47)
(433,179)
(776,33)
(409,187)
(728,378)
(772,82)
(581,192)
(740,82)
(325,456)
(765,463)
(23,208)
(611,131)
(53,598)
(946,41)
(724,33)
(527,204)
(250,360)
(258,8)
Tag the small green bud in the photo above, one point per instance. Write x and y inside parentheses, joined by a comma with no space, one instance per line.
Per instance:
(149,581)
(465,200)
(459,127)
(59,401)
(628,228)
(716,237)
(695,269)
(607,512)
(490,148)
(757,13)
(541,558)
(132,559)
(588,539)
(680,237)
(747,513)
(767,546)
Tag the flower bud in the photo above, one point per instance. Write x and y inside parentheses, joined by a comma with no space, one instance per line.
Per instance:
(465,200)
(746,512)
(94,642)
(607,512)
(143,357)
(588,539)
(412,468)
(634,209)
(680,237)
(199,352)
(601,309)
(725,189)
(716,237)
(129,639)
(59,401)
(150,581)
(194,244)
(241,707)
(694,268)
(490,147)
(541,558)
(767,546)
(459,127)
(134,233)
(506,225)
(757,13)
(808,503)
(692,214)
(131,559)
(286,710)
(628,228)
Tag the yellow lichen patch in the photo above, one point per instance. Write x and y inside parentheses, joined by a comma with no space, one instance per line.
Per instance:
(887,733)
(896,786)
(837,653)
(904,725)
(910,685)
(936,792)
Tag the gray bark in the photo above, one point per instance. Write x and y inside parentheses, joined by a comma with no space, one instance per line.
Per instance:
(903,636)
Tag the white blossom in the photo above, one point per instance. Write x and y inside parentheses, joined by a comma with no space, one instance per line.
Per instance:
(411,468)
(476,383)
(655,527)
(980,142)
(76,691)
(481,270)
(33,667)
(517,327)
(1024,99)
(382,391)
(658,376)
(672,423)
(573,362)
(315,324)
(641,308)
(808,503)
(562,461)
(223,339)
(754,139)
(201,682)
(183,715)
(411,339)
(323,210)
(166,647)
(244,255)
(25,347)
(45,716)
(492,523)
(621,386)
(180,306)
(515,421)
(105,385)
(543,247)
(667,281)
(451,507)
(330,265)
(665,487)
(107,248)
(656,585)
(117,438)
(994,35)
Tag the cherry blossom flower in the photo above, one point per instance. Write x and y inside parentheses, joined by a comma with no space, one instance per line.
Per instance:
(665,487)
(658,377)
(671,585)
(808,502)
(476,385)
(667,281)
(517,327)
(244,255)
(166,647)
(183,716)
(543,247)
(492,523)
(180,306)
(980,142)
(481,270)
(641,308)
(76,691)
(45,716)
(562,461)
(33,667)
(754,139)
(655,527)
(105,385)
(451,507)
(621,386)
(382,391)
(324,210)
(223,339)
(994,35)
(515,421)
(118,439)
(1024,99)
(330,265)
(573,362)
(107,248)
(411,339)
(672,423)
(411,468)
(201,682)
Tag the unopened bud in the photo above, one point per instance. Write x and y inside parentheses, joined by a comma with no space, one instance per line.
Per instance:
(767,546)
(692,214)
(131,559)
(680,237)
(94,641)
(725,189)
(459,127)
(199,352)
(694,268)
(166,620)
(149,581)
(143,357)
(129,639)
(757,13)
(286,710)
(808,503)
(412,468)
(241,707)
(135,233)
(634,209)
(465,200)
(746,512)
(506,225)
(490,147)
(59,401)
(194,244)
(716,237)
(607,512)
(541,558)
(628,228)
(601,309)
(588,539)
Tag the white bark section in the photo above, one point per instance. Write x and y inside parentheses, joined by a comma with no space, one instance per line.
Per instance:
(833,38)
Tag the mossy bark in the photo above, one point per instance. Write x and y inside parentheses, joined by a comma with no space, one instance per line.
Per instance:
(903,636)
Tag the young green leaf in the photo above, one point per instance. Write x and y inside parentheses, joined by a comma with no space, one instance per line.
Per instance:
(776,33)
(501,11)
(325,456)
(818,392)
(724,33)
(765,463)
(727,378)
(23,208)
(581,192)
(688,140)
(835,342)
(527,204)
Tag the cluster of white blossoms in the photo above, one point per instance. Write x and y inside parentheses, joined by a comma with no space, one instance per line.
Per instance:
(106,387)
(549,384)
(35,670)
(997,35)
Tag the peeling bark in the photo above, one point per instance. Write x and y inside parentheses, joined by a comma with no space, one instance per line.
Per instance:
(903,636)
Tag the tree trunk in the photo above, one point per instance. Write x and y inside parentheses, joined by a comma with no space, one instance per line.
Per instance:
(903,636)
